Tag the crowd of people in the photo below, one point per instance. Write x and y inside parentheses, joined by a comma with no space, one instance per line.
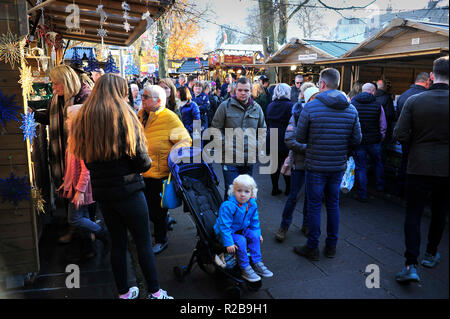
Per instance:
(122,166)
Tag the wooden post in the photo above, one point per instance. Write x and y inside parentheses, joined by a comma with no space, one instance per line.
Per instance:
(19,253)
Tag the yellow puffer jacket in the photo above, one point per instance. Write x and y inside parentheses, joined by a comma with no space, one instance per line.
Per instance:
(158,129)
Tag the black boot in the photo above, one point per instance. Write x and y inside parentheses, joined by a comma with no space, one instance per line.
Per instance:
(103,236)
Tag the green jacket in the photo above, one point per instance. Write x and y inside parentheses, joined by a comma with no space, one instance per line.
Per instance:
(231,114)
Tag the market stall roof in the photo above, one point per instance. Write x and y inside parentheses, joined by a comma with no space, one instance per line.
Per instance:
(400,39)
(238,49)
(191,66)
(90,19)
(321,48)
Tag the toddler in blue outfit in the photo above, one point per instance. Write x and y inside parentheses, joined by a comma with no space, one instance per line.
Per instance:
(239,230)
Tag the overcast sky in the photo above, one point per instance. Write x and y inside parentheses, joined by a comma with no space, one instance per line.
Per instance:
(234,12)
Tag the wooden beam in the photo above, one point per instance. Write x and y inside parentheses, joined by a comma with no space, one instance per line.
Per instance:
(93,39)
(40,6)
(110,29)
(60,15)
(113,7)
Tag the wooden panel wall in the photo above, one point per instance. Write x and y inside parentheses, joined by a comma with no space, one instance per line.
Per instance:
(18,237)
(403,43)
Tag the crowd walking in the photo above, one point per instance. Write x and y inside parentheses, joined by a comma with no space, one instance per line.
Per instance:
(110,143)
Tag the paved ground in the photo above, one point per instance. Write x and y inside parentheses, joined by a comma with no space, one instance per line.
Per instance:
(370,233)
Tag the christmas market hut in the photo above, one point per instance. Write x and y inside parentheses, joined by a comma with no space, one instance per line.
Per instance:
(34,35)
(300,57)
(396,54)
(240,59)
(197,66)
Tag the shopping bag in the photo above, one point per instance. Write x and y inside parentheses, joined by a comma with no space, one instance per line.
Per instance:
(169,197)
(286,168)
(349,176)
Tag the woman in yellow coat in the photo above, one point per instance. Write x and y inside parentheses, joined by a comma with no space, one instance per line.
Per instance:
(164,132)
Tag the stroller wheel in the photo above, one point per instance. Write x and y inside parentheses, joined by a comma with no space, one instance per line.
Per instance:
(254,286)
(180,273)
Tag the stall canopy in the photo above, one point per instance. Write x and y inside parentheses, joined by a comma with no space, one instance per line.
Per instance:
(401,38)
(89,18)
(193,65)
(298,51)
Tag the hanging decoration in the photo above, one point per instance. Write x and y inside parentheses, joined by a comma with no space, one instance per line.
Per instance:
(103,16)
(8,109)
(126,8)
(10,48)
(92,63)
(130,66)
(111,66)
(146,16)
(28,126)
(14,189)
(26,79)
(37,199)
(197,61)
(76,57)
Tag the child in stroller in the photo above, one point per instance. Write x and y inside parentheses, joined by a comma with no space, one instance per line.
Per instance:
(238,228)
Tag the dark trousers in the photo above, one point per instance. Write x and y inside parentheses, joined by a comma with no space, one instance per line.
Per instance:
(417,189)
(297,182)
(403,169)
(158,215)
(360,153)
(130,214)
(230,172)
(275,176)
(319,184)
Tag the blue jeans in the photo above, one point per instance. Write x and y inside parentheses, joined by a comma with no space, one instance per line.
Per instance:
(317,185)
(248,241)
(361,152)
(230,172)
(297,181)
(80,218)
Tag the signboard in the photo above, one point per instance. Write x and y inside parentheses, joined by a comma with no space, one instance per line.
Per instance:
(237,59)
(303,57)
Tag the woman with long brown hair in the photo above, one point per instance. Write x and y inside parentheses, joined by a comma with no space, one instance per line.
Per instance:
(172,102)
(107,135)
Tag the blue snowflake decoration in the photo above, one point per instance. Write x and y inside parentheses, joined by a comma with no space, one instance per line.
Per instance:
(8,109)
(28,126)
(14,189)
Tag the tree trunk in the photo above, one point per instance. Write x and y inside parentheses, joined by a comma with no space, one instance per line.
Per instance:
(283,24)
(267,18)
(163,44)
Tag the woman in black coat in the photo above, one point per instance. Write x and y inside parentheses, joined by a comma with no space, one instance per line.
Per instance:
(278,114)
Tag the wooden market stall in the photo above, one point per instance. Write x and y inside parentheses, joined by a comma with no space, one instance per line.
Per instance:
(302,57)
(240,59)
(29,27)
(396,54)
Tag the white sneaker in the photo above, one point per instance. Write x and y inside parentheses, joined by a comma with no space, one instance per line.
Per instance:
(132,293)
(162,295)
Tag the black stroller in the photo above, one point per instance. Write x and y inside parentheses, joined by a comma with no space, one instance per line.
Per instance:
(196,183)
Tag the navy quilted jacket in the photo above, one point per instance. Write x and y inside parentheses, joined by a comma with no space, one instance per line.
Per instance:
(330,127)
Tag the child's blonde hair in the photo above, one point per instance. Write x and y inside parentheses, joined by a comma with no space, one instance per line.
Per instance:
(244,180)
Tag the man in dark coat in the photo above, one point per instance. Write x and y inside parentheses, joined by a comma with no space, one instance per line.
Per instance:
(423,124)
(373,129)
(329,126)
(421,85)
(295,90)
(385,99)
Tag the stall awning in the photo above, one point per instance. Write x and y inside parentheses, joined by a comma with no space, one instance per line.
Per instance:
(90,19)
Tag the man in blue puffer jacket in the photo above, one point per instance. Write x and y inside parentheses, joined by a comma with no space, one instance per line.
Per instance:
(202,100)
(330,127)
